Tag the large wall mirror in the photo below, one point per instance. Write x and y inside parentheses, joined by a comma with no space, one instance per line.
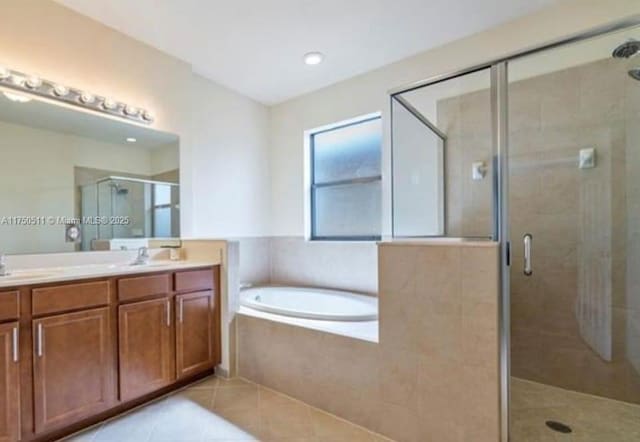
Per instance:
(64,171)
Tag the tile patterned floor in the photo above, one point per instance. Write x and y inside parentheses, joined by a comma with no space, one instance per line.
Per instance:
(220,410)
(592,418)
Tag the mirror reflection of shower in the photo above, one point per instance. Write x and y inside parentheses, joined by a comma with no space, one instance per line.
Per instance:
(136,210)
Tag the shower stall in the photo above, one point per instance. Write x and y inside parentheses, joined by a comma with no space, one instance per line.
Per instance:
(541,152)
(128,208)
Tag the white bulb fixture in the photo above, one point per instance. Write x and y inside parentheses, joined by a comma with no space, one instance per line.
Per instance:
(313,58)
(87,98)
(16,98)
(29,85)
(60,90)
(109,104)
(131,140)
(4,73)
(34,82)
(132,111)
(17,80)
(147,116)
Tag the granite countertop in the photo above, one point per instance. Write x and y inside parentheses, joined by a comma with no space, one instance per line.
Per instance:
(45,275)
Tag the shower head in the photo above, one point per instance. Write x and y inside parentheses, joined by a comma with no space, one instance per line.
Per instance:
(627,49)
(119,189)
(635,73)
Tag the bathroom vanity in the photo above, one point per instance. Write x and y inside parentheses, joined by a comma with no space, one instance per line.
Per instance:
(78,347)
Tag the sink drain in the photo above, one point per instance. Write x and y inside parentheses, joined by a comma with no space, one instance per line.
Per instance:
(559,427)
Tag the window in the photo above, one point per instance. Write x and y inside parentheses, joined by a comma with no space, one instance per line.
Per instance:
(162,210)
(346,181)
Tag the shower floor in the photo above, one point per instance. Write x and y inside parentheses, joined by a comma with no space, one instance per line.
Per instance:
(592,418)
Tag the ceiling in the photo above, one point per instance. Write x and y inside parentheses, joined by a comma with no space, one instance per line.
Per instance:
(256,47)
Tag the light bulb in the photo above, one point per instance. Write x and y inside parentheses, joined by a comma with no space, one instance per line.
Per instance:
(313,58)
(148,116)
(109,104)
(87,98)
(60,90)
(131,110)
(17,80)
(4,73)
(34,82)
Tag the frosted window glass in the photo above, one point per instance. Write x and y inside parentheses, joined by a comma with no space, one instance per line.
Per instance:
(162,222)
(351,210)
(162,194)
(348,152)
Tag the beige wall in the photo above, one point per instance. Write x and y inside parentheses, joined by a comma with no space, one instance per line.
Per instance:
(434,374)
(220,131)
(368,93)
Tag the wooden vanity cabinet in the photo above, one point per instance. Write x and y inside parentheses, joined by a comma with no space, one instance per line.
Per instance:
(75,353)
(145,346)
(73,367)
(9,382)
(194,337)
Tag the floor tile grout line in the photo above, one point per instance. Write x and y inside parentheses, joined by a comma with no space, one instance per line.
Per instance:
(373,433)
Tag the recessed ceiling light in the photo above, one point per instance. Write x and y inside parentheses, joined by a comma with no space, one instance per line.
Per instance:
(131,140)
(313,58)
(18,98)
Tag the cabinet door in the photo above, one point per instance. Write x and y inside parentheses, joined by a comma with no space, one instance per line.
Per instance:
(146,350)
(194,333)
(9,382)
(73,370)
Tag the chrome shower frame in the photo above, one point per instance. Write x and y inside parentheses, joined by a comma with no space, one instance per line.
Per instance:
(499,106)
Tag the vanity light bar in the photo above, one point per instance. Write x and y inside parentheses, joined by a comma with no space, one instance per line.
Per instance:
(32,84)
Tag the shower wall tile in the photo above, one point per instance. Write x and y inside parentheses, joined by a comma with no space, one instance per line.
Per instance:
(584,222)
(434,374)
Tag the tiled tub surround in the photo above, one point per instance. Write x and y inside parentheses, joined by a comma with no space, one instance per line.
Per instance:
(434,374)
(350,266)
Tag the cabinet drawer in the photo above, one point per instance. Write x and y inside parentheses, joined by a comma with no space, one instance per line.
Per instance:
(130,289)
(70,297)
(192,280)
(9,306)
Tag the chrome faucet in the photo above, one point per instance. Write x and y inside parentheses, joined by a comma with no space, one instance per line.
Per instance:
(3,266)
(143,257)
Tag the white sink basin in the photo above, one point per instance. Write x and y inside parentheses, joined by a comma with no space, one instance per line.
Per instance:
(27,275)
(131,266)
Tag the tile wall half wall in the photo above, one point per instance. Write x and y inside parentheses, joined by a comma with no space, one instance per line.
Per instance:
(434,374)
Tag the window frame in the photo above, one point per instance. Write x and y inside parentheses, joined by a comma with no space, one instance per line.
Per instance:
(313,187)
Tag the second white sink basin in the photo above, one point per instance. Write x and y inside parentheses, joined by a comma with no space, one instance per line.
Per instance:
(27,275)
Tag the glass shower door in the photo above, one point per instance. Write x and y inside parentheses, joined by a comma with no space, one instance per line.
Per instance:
(574,209)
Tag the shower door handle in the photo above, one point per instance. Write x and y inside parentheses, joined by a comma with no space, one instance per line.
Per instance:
(527,239)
